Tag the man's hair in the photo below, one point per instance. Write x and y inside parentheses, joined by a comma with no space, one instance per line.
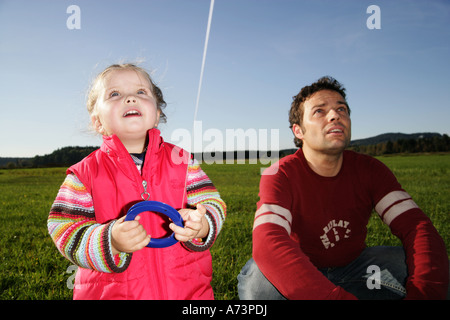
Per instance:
(297,107)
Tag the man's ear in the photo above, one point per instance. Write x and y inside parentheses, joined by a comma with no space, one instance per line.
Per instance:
(298,132)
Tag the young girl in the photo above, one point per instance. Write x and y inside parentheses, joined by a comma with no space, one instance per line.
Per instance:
(133,164)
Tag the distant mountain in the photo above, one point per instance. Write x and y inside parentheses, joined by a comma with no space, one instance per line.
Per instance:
(385,137)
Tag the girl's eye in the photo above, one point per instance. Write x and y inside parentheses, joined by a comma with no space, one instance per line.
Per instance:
(114,94)
(142,91)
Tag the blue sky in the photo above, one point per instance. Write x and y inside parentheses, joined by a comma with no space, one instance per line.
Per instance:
(260,54)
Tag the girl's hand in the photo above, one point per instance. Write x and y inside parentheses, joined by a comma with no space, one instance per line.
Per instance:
(195,224)
(128,236)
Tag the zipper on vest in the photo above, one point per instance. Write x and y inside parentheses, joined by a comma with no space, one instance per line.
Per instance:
(160,277)
(145,195)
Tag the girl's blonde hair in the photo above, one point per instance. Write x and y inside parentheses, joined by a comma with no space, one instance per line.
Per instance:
(98,81)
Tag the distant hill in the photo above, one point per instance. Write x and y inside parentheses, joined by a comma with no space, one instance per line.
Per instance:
(387,139)
(392,137)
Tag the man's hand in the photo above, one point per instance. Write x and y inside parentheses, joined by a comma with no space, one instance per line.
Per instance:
(128,236)
(195,224)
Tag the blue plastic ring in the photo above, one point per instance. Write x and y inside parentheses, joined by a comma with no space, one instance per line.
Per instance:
(163,208)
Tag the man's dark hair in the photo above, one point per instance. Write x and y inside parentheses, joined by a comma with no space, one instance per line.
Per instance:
(297,110)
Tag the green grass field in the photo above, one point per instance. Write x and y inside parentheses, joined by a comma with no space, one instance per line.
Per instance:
(32,268)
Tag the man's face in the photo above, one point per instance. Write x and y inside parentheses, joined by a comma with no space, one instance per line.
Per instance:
(326,125)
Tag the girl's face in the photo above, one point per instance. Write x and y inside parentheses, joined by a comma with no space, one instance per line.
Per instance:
(125,106)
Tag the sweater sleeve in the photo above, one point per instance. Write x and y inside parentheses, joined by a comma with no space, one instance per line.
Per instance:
(200,190)
(426,255)
(277,255)
(76,234)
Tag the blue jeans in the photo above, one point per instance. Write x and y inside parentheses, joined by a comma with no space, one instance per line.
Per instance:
(356,278)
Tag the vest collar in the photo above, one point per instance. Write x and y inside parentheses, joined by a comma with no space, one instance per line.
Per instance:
(113,146)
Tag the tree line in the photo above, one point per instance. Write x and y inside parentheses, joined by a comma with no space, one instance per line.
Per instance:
(419,145)
(63,157)
(68,156)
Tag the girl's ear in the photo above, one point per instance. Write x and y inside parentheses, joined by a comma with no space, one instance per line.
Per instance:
(97,125)
(158,113)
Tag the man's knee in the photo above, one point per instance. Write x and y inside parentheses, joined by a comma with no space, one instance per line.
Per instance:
(253,285)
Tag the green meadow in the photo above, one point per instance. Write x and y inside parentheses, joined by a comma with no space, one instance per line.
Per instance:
(32,268)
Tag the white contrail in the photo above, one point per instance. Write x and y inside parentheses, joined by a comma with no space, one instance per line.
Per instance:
(211,7)
(204,58)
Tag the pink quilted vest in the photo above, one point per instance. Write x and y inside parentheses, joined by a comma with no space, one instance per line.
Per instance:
(115,184)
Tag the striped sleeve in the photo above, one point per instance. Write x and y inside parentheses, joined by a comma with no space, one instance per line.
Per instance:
(200,190)
(72,226)
(393,205)
(275,214)
(426,255)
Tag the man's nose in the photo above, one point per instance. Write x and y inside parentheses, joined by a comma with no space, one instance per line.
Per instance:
(333,115)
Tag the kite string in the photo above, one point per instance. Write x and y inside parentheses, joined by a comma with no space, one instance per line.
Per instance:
(208,28)
(204,58)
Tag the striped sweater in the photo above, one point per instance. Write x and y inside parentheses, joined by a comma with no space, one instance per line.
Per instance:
(86,243)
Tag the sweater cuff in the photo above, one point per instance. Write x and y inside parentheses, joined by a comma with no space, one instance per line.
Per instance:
(116,263)
(203,244)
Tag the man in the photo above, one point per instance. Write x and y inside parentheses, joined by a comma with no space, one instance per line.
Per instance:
(310,225)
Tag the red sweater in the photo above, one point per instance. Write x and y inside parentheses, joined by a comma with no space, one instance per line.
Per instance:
(305,221)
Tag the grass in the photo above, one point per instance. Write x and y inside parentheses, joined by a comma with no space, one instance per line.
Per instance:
(427,179)
(32,268)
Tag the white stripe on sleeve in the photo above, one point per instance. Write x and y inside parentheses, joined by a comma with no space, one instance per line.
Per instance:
(272,213)
(394,204)
(275,209)
(272,218)
(398,209)
(389,199)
